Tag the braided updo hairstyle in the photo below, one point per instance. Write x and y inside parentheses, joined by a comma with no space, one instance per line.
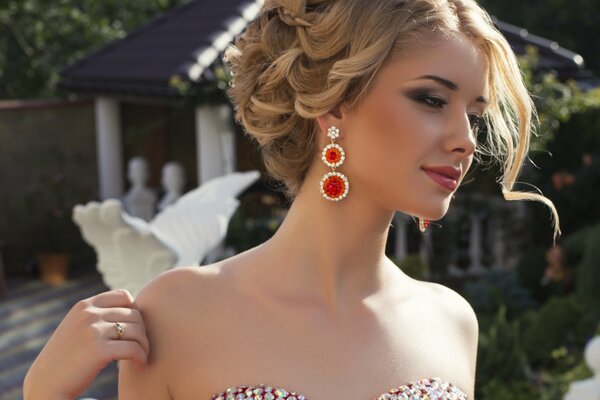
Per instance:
(298,59)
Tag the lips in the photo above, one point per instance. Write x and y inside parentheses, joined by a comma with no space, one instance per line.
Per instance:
(450,172)
(445,176)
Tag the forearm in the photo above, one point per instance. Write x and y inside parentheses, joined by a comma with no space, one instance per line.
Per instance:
(33,390)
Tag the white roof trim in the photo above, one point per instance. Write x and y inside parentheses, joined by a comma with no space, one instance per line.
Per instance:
(222,40)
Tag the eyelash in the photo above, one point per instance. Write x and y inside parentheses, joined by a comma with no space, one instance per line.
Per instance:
(475,126)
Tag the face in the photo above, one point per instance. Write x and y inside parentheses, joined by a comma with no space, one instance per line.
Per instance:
(407,125)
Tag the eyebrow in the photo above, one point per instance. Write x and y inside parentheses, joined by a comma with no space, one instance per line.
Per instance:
(450,85)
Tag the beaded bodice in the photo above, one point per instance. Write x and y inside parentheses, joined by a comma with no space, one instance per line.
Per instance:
(424,389)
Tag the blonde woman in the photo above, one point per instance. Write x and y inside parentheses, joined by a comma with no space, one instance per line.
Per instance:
(399,89)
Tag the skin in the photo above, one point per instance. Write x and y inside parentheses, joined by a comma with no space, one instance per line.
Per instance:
(82,346)
(319,308)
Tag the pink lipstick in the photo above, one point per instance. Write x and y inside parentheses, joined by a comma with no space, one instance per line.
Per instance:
(447,177)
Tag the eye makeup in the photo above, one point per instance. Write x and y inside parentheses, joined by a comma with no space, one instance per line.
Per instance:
(435,102)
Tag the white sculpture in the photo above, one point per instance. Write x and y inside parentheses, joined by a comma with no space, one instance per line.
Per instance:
(131,252)
(173,181)
(588,389)
(140,201)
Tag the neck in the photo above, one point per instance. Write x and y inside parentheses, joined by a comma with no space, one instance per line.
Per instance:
(331,253)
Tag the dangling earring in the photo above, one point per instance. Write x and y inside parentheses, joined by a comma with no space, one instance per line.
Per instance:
(423,224)
(334,185)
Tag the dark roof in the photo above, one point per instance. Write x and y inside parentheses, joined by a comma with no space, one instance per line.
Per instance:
(184,41)
(552,56)
(190,39)
(566,64)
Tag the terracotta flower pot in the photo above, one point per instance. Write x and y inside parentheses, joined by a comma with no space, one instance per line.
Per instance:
(54,267)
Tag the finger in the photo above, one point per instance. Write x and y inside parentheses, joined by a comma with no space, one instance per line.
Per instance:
(124,350)
(133,332)
(121,314)
(113,298)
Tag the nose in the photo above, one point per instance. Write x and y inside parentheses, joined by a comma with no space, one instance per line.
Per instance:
(462,138)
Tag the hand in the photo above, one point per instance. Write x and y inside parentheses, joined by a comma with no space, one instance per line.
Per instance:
(84,343)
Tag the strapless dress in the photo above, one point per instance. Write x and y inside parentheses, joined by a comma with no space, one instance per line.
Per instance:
(423,389)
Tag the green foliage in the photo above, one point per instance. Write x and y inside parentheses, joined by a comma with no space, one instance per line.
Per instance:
(499,389)
(212,92)
(550,339)
(412,265)
(256,219)
(585,245)
(530,270)
(555,101)
(39,37)
(443,242)
(561,321)
(564,153)
(553,337)
(570,367)
(497,290)
(572,23)
(500,356)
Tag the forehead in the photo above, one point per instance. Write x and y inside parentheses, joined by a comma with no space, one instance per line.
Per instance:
(456,58)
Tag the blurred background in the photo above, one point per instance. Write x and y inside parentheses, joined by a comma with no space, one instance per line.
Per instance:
(87,86)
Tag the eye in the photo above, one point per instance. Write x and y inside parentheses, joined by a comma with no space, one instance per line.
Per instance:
(476,122)
(432,101)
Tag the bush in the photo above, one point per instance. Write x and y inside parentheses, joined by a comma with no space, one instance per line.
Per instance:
(584,246)
(530,270)
(561,321)
(498,389)
(413,266)
(500,356)
(257,218)
(499,289)
(570,367)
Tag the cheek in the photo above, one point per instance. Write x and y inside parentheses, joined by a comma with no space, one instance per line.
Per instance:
(397,128)
(391,136)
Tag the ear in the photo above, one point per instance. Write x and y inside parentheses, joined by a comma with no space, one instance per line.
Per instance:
(333,117)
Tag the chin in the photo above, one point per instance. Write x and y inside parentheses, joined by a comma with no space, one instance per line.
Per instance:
(433,211)
(424,204)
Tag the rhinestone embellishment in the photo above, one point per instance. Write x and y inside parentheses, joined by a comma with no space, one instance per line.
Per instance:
(333,133)
(333,155)
(260,392)
(334,185)
(424,389)
(423,224)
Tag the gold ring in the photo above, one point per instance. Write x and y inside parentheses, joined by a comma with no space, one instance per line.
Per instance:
(120,327)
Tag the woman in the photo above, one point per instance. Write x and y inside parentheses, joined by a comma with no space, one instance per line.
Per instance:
(399,89)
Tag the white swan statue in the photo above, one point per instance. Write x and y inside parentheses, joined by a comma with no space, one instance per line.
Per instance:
(131,252)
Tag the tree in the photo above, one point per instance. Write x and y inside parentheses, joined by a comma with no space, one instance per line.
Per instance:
(572,23)
(39,37)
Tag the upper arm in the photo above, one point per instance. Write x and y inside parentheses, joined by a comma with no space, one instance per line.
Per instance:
(469,327)
(147,385)
(464,319)
(153,303)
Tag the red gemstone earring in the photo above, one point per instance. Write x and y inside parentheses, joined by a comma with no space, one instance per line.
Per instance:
(334,185)
(423,224)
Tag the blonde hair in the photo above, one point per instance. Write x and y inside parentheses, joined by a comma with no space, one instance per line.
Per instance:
(298,59)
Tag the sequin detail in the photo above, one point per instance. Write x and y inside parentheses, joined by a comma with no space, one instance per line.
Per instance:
(424,389)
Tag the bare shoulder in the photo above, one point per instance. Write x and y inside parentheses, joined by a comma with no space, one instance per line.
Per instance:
(188,312)
(169,285)
(170,301)
(162,305)
(455,306)
(170,296)
(461,322)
